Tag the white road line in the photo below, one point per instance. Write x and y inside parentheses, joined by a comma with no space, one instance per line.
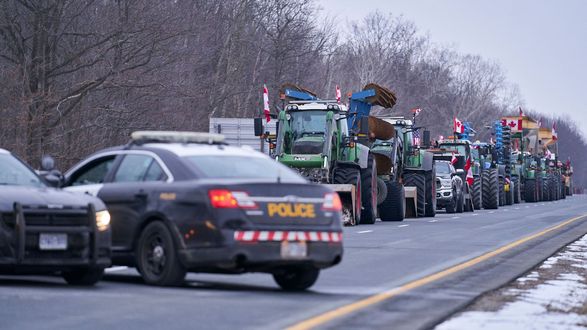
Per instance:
(475,214)
(115,269)
(527,206)
(505,210)
(433,220)
(400,226)
(517,208)
(455,217)
(364,231)
(491,212)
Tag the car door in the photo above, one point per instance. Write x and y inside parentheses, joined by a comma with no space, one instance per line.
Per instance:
(91,176)
(127,195)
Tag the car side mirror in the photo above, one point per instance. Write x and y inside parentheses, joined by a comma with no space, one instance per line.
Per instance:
(258,126)
(460,171)
(47,163)
(53,178)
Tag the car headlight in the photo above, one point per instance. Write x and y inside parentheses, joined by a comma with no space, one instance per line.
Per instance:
(102,220)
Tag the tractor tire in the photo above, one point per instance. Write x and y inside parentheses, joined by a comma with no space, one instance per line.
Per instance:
(381,191)
(530,191)
(501,191)
(369,192)
(430,208)
(349,175)
(419,181)
(393,207)
(545,190)
(478,192)
(490,186)
(517,195)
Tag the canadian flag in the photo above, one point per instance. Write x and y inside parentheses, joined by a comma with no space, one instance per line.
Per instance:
(458,126)
(468,164)
(416,111)
(266,103)
(554,132)
(470,178)
(338,95)
(516,125)
(454,159)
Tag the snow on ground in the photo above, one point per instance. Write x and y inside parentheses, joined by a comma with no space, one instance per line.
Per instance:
(553,296)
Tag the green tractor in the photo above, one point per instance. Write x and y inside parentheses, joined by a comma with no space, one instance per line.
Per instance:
(329,143)
(401,162)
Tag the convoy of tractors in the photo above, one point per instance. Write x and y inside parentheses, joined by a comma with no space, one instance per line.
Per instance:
(386,167)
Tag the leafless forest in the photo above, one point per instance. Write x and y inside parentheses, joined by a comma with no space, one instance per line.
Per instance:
(79,75)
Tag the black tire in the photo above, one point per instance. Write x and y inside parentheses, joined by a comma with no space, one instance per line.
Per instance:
(419,181)
(490,184)
(350,175)
(501,191)
(156,256)
(430,208)
(460,207)
(381,191)
(296,278)
(530,193)
(450,207)
(517,189)
(83,276)
(478,192)
(393,207)
(545,190)
(369,192)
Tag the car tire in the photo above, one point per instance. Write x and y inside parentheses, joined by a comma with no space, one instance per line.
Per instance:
(157,258)
(296,278)
(460,208)
(393,207)
(83,276)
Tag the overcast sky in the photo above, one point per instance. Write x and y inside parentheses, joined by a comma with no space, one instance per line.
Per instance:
(541,44)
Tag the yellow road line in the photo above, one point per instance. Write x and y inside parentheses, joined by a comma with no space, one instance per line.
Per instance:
(377,298)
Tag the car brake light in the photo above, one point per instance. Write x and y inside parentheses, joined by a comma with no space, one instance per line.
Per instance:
(332,202)
(225,199)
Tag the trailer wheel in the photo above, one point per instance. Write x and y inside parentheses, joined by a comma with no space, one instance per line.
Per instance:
(419,181)
(490,189)
(350,175)
(369,192)
(393,207)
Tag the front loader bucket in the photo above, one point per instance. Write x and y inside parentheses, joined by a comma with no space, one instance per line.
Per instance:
(380,129)
(346,192)
(383,96)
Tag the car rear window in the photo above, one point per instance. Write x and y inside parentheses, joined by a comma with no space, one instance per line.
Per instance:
(15,173)
(242,167)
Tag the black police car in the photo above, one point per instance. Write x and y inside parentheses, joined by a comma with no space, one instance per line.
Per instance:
(185,201)
(45,230)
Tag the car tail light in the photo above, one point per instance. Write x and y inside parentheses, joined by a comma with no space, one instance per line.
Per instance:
(225,199)
(332,202)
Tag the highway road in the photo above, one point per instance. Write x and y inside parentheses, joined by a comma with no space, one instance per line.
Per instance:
(406,275)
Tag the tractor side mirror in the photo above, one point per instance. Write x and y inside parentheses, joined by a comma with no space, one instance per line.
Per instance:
(426,139)
(460,171)
(258,126)
(364,126)
(47,163)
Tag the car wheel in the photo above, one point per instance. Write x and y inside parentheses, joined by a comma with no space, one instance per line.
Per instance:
(157,256)
(83,276)
(296,278)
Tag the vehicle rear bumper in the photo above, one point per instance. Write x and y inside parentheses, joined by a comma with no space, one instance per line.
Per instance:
(258,256)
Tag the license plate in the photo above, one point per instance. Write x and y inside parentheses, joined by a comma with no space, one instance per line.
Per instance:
(53,241)
(294,250)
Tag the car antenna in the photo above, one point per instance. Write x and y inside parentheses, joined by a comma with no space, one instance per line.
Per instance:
(278,175)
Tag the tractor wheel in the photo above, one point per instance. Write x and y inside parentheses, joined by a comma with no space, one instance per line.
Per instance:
(478,192)
(490,186)
(545,189)
(530,193)
(430,209)
(381,191)
(369,192)
(501,191)
(509,195)
(349,175)
(517,195)
(419,181)
(393,207)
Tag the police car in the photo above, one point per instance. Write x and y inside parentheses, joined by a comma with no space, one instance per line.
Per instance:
(186,201)
(46,230)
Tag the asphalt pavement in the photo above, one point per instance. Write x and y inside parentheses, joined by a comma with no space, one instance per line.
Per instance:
(401,275)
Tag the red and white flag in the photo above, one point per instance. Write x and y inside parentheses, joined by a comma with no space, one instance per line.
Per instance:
(266,103)
(470,178)
(458,126)
(515,125)
(338,95)
(554,132)
(468,164)
(416,111)
(454,159)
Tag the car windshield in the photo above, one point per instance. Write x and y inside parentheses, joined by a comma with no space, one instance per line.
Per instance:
(306,122)
(442,168)
(459,148)
(15,173)
(242,167)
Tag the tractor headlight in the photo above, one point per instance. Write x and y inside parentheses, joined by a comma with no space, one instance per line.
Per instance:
(102,220)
